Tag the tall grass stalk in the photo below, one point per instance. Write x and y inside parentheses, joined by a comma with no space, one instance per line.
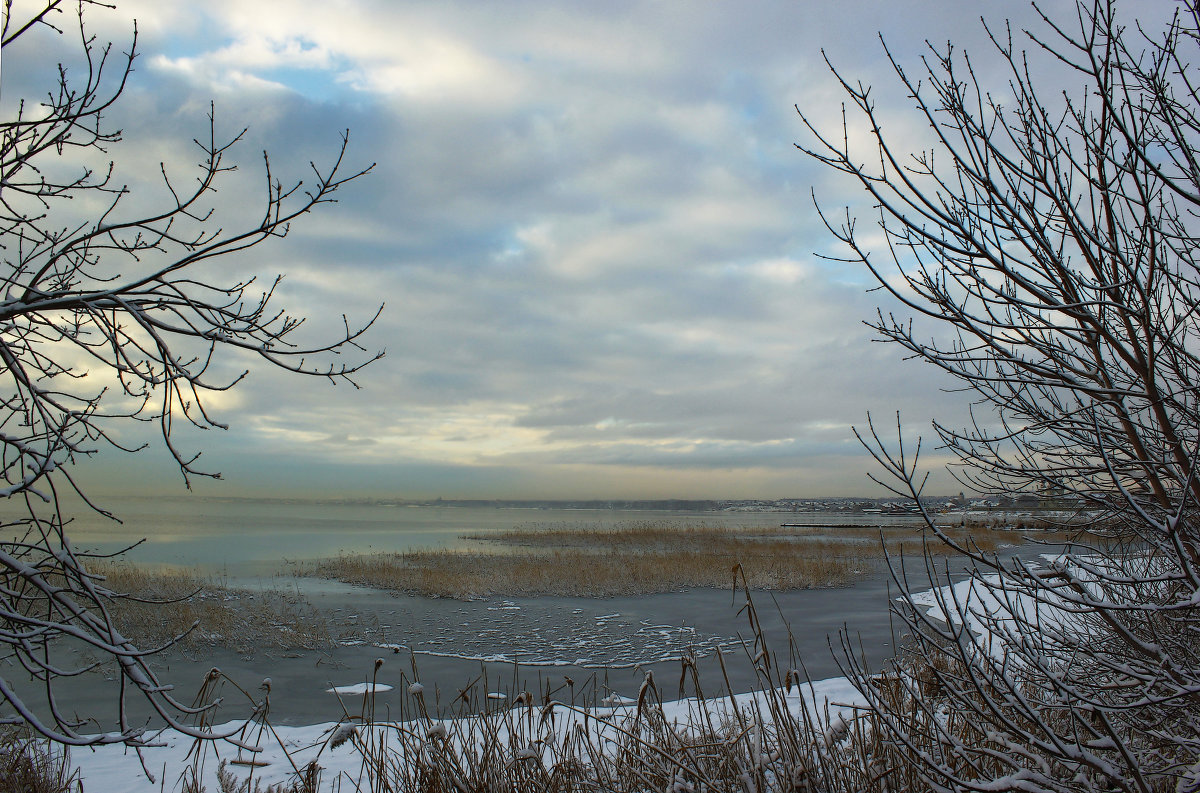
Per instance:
(30,764)
(671,737)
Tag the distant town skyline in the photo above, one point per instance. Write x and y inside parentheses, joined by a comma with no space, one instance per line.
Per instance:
(594,238)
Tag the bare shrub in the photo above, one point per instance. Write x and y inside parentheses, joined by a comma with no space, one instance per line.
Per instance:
(1051,240)
(128,291)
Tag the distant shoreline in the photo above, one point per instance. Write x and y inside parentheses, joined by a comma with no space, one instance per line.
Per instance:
(840,504)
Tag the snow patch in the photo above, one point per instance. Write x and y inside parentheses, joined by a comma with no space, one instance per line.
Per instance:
(359,688)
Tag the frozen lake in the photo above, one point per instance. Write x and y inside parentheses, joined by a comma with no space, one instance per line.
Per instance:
(521,643)
(249,538)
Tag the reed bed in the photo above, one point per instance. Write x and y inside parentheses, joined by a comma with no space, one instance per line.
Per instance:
(641,559)
(988,537)
(805,541)
(163,604)
(582,573)
(784,736)
(575,736)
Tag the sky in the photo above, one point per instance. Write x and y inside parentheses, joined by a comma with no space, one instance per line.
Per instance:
(590,229)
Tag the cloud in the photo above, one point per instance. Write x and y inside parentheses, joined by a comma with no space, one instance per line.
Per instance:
(593,234)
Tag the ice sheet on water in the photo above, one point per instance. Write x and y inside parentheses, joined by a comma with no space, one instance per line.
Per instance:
(359,688)
(539,634)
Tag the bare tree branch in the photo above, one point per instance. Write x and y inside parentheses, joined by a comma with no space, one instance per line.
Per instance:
(130,294)
(1054,236)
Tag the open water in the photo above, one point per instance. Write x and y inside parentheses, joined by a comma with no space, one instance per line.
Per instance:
(522,643)
(251,538)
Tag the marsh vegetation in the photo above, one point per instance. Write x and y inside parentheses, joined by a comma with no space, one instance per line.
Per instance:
(177,605)
(647,558)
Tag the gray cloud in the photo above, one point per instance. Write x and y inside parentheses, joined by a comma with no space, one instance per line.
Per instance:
(590,226)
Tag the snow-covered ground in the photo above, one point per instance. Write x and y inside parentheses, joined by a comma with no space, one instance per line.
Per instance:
(116,769)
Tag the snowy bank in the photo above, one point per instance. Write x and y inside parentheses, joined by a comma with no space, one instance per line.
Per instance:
(340,749)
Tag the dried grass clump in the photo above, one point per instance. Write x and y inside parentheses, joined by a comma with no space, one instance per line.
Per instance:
(34,765)
(640,559)
(586,573)
(228,782)
(163,604)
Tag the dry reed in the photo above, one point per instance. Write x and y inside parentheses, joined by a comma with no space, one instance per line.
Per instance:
(641,559)
(160,605)
(31,764)
(575,738)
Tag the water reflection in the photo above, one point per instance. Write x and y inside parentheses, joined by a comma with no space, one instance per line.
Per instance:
(249,538)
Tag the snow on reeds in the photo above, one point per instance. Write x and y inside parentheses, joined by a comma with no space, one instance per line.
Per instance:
(785,735)
(680,745)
